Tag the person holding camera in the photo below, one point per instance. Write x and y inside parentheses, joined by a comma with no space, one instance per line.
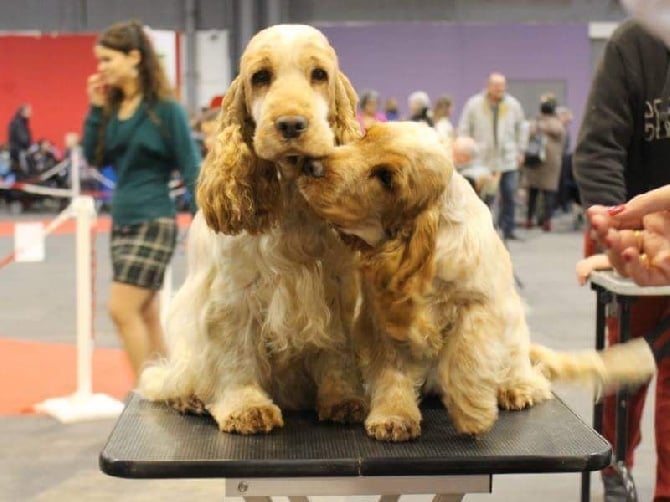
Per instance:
(543,179)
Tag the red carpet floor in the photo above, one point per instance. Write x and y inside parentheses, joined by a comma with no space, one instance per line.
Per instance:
(31,372)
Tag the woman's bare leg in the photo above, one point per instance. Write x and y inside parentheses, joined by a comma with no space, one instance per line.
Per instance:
(127,305)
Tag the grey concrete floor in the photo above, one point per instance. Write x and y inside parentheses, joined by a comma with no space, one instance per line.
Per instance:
(41,459)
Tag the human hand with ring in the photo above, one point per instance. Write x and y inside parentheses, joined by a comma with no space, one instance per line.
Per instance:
(636,236)
(643,255)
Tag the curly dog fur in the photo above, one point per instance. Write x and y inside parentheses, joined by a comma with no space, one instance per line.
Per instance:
(262,322)
(440,310)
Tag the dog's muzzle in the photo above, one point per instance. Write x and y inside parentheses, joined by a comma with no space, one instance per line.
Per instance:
(291,126)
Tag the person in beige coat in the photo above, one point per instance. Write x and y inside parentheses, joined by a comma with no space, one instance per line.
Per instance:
(544,178)
(494,119)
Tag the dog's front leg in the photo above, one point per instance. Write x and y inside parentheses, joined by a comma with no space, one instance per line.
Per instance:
(239,400)
(394,378)
(394,410)
(468,370)
(340,395)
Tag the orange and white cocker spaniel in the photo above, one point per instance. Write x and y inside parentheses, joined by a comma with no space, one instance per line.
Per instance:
(440,312)
(263,319)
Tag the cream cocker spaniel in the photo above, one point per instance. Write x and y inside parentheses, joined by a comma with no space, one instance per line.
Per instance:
(263,319)
(440,311)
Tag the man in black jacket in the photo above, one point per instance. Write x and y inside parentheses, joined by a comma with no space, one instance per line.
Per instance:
(623,149)
(20,137)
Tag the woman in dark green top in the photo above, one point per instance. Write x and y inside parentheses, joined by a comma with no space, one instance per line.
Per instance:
(135,125)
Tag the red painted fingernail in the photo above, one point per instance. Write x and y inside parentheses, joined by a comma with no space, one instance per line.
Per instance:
(614,210)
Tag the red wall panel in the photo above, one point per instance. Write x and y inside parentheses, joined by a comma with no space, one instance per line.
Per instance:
(49,72)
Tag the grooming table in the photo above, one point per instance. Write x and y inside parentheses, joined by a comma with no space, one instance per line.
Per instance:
(613,289)
(308,457)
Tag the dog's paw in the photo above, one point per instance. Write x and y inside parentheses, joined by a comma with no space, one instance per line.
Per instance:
(351,410)
(393,428)
(514,399)
(252,420)
(191,404)
(475,424)
(524,393)
(151,384)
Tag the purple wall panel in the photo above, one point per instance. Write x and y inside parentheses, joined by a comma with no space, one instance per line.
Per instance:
(455,59)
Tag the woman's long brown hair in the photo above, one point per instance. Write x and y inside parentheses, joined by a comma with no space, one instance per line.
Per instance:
(154,85)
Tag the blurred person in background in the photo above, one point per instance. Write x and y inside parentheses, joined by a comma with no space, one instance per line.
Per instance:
(442,118)
(482,180)
(20,137)
(208,124)
(368,109)
(391,109)
(544,178)
(203,129)
(494,119)
(564,114)
(88,181)
(135,124)
(419,107)
(622,151)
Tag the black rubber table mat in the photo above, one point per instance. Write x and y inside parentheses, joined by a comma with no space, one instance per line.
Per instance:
(151,440)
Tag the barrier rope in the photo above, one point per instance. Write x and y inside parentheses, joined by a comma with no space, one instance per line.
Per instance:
(176,188)
(37,189)
(61,166)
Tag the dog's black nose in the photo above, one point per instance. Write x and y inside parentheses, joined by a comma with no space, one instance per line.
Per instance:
(291,126)
(313,168)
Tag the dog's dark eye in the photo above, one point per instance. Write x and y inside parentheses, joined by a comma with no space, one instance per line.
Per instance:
(319,75)
(261,77)
(385,177)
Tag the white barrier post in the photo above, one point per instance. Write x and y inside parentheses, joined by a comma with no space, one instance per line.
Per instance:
(83,404)
(84,211)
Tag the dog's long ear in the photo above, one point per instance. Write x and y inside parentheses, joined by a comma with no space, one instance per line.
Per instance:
(237,191)
(416,268)
(403,282)
(343,111)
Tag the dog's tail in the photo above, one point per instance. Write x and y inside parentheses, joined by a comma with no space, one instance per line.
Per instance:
(631,363)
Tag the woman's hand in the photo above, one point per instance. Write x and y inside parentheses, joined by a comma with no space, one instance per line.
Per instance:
(637,236)
(95,89)
(630,215)
(643,255)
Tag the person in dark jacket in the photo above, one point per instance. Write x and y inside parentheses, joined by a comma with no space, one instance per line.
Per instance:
(622,151)
(544,178)
(19,135)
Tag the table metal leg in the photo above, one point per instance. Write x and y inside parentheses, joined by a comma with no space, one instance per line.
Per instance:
(622,395)
(454,497)
(602,298)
